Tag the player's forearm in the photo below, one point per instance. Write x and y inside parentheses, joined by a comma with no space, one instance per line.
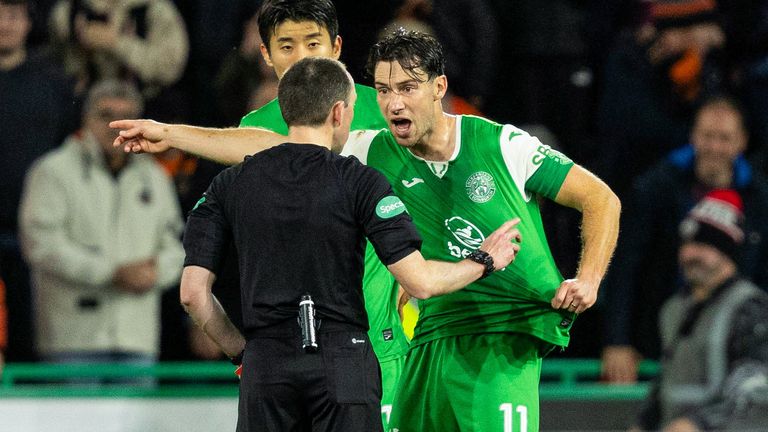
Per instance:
(599,232)
(225,146)
(427,278)
(206,311)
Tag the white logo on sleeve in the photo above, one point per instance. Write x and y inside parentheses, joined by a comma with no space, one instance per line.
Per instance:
(414,181)
(357,341)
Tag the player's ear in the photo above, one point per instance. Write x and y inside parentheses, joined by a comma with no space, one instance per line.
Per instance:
(336,52)
(440,87)
(265,54)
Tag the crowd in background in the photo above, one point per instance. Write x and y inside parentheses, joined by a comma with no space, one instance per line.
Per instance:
(615,84)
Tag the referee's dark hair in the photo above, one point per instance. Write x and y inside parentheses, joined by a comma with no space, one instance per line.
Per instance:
(275,12)
(310,88)
(413,50)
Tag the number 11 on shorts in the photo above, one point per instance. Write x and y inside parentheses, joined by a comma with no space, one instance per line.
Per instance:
(522,410)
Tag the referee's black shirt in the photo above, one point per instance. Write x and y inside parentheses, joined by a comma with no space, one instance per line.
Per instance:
(299,215)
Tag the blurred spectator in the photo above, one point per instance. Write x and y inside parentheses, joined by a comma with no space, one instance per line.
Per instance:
(100,229)
(543,75)
(39,33)
(37,111)
(607,18)
(361,22)
(644,270)
(244,82)
(714,371)
(142,40)
(654,78)
(469,34)
(746,27)
(215,31)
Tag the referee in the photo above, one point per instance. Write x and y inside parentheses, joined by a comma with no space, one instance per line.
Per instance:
(299,215)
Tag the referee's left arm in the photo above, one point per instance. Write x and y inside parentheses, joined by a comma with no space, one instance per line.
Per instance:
(205,236)
(204,308)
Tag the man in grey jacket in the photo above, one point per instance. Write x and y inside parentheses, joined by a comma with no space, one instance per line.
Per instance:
(714,373)
(101,233)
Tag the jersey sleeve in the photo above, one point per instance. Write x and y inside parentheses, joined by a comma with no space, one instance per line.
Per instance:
(382,215)
(534,167)
(359,143)
(207,231)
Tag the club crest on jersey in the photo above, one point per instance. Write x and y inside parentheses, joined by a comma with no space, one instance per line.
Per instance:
(467,234)
(480,187)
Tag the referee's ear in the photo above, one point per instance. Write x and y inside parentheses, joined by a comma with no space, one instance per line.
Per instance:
(337,114)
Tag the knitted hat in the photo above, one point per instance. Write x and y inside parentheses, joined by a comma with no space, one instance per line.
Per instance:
(717,220)
(680,13)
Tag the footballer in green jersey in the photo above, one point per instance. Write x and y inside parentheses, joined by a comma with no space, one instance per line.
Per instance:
(494,174)
(292,30)
(476,355)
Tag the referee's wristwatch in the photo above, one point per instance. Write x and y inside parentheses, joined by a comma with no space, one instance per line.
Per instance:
(482,257)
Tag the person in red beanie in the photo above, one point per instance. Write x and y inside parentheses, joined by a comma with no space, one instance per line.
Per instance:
(644,272)
(714,366)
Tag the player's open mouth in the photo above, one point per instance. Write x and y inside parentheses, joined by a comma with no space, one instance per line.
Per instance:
(402,126)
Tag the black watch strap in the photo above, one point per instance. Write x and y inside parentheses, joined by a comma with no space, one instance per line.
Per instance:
(482,257)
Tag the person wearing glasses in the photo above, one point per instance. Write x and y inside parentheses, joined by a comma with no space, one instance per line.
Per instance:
(101,232)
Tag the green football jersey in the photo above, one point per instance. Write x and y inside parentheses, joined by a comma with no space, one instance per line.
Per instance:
(379,286)
(494,174)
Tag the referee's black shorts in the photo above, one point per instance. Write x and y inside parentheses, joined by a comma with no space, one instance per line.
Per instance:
(284,389)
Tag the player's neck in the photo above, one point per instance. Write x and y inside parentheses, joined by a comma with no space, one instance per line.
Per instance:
(439,144)
(322,135)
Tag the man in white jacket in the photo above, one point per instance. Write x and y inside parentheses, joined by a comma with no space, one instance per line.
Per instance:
(101,234)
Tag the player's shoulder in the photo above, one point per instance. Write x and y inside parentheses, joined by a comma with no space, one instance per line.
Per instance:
(365,90)
(367,113)
(366,99)
(360,142)
(493,133)
(477,127)
(261,117)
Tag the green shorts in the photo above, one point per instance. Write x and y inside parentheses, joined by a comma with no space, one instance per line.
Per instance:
(484,382)
(390,375)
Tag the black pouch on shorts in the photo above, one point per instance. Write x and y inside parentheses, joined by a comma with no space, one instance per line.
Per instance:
(355,368)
